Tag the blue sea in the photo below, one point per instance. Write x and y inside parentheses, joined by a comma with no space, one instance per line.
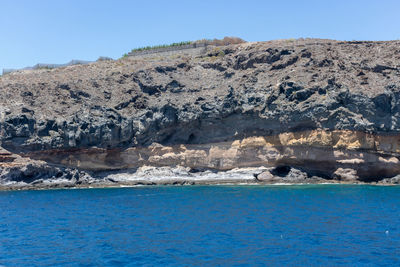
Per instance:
(317,225)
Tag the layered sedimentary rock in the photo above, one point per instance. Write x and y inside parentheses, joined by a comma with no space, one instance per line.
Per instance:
(319,110)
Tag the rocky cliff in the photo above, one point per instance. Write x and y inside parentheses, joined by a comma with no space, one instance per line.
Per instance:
(286,111)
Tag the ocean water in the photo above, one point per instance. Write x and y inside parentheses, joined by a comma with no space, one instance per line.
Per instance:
(318,225)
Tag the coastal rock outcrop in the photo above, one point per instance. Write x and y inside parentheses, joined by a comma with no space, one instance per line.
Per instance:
(325,110)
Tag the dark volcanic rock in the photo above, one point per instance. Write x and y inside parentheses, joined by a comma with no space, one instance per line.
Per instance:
(302,84)
(244,90)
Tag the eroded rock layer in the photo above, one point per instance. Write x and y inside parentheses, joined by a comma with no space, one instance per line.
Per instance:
(319,152)
(324,108)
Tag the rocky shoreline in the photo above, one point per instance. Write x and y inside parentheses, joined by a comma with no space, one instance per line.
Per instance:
(293,111)
(219,178)
(179,176)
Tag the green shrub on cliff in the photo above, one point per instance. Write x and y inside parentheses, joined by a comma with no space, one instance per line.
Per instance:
(161,46)
(216,42)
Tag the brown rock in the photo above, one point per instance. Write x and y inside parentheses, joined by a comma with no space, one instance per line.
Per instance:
(265,176)
(346,174)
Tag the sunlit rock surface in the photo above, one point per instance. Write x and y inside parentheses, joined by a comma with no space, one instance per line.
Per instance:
(302,111)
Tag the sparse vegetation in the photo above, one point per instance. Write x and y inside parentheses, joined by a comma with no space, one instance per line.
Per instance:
(216,42)
(161,46)
(219,42)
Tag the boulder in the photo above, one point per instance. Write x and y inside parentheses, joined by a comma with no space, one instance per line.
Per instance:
(345,174)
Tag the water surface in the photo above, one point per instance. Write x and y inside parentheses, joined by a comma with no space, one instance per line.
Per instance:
(202,225)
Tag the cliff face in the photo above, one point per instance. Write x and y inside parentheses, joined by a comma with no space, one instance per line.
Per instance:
(326,107)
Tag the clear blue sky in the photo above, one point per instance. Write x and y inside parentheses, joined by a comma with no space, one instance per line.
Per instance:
(56,31)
